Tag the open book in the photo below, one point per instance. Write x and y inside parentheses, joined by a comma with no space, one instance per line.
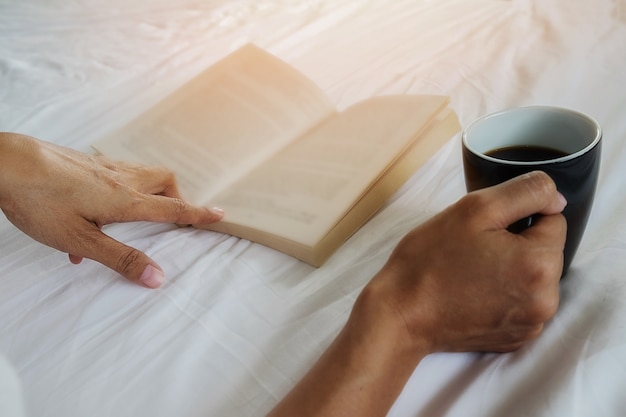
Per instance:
(254,136)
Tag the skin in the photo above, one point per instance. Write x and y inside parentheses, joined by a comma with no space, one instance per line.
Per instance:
(458,282)
(62,198)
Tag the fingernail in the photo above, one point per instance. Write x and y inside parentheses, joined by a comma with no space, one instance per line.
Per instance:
(218,211)
(562,199)
(152,277)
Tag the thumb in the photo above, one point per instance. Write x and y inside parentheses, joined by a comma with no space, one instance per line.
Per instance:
(129,262)
(525,195)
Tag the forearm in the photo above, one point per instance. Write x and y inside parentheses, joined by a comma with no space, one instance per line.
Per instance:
(9,147)
(6,146)
(362,372)
(18,161)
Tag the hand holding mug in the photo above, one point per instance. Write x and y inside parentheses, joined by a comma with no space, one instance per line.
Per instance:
(563,143)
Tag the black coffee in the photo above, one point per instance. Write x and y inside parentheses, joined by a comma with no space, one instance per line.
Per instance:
(526,153)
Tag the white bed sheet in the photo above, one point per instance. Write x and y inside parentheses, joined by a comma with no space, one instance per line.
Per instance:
(236,324)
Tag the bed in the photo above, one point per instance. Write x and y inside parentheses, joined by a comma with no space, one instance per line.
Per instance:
(237,324)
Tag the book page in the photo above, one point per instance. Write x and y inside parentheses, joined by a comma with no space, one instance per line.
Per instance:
(307,187)
(223,122)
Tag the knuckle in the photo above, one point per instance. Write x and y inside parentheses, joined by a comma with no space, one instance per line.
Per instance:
(549,307)
(178,210)
(127,259)
(169,176)
(540,288)
(540,264)
(179,207)
(543,269)
(476,205)
(165,175)
(541,310)
(540,183)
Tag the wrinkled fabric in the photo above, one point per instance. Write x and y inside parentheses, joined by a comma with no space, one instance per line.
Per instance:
(236,324)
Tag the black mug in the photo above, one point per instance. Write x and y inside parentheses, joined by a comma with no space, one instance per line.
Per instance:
(564,143)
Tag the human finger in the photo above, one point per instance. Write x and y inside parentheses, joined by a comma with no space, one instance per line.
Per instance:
(523,196)
(156,208)
(75,259)
(159,180)
(547,236)
(129,262)
(552,227)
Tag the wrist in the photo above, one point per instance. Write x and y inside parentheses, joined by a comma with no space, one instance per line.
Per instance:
(16,152)
(363,371)
(377,318)
(6,154)
(402,314)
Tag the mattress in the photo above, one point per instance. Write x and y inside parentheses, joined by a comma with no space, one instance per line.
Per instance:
(236,324)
